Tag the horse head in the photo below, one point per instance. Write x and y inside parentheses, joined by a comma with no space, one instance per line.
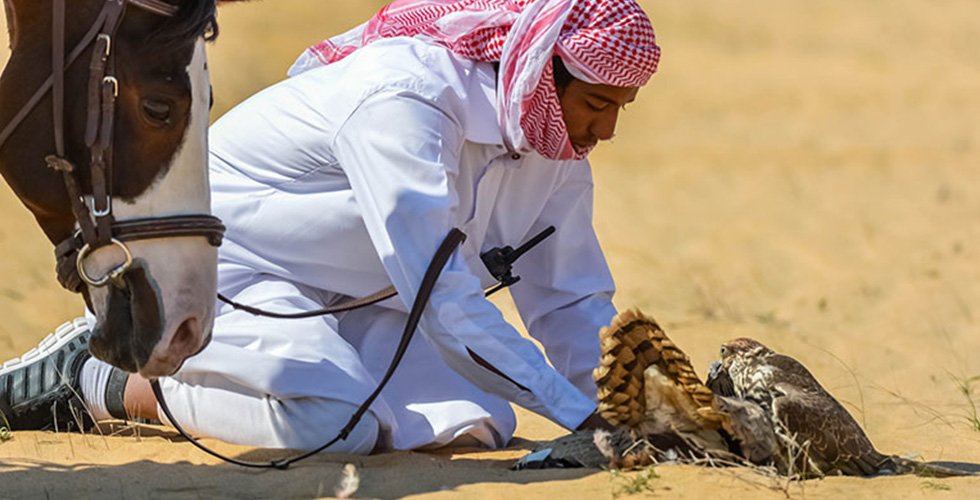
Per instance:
(159,309)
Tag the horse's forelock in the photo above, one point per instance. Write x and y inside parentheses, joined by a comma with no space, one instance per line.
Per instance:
(194,18)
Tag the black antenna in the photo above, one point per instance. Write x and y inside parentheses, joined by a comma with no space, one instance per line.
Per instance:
(500,260)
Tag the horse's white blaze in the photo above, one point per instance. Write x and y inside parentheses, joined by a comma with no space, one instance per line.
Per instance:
(183,268)
(184,188)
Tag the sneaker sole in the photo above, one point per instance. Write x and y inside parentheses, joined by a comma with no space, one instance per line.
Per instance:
(62,335)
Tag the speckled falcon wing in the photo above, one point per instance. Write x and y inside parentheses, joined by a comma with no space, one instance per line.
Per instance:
(751,428)
(630,345)
(832,440)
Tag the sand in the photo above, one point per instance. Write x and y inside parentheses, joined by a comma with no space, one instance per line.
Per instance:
(804,173)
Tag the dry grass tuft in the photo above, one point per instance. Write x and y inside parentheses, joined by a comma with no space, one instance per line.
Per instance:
(932,485)
(965,385)
(785,482)
(632,484)
(5,434)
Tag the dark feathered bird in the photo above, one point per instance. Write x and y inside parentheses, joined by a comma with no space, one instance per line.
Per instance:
(814,434)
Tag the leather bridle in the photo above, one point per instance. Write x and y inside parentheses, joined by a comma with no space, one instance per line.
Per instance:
(96,226)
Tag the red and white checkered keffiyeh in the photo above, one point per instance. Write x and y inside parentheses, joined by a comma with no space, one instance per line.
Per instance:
(601,41)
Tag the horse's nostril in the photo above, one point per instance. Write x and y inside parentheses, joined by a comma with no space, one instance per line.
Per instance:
(185,340)
(100,346)
(168,358)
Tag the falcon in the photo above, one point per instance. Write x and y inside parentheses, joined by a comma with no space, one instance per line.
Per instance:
(815,435)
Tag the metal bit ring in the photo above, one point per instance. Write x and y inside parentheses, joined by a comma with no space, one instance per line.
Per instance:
(111,275)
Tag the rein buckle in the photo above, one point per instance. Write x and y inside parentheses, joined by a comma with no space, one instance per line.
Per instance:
(104,212)
(108,42)
(115,84)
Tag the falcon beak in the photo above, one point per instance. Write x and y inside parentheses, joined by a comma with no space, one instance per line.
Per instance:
(714,369)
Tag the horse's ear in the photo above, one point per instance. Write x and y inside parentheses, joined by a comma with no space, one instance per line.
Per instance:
(8,12)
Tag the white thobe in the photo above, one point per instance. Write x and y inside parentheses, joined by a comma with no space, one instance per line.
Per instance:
(345,179)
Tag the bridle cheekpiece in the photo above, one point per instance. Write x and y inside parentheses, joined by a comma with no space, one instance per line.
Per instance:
(96,226)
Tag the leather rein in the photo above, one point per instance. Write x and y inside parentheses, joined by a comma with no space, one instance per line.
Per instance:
(453,240)
(499,262)
(97,228)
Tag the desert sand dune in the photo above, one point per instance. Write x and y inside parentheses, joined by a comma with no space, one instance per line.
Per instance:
(805,173)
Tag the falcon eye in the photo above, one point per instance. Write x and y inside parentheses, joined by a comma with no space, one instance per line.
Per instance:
(723,350)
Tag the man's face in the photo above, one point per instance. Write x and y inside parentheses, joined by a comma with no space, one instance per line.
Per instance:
(590,111)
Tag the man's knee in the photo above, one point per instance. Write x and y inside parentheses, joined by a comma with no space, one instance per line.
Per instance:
(311,422)
(363,438)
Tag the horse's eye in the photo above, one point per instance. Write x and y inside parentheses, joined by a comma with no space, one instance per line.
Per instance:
(157,111)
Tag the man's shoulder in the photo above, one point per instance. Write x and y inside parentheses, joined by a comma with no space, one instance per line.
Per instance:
(425,70)
(400,69)
(412,65)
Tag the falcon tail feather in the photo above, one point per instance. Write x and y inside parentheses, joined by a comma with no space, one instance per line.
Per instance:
(898,465)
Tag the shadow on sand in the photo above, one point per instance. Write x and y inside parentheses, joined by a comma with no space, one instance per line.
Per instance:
(153,474)
(385,476)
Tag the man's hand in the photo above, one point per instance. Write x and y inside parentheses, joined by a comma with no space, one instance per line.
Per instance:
(595,421)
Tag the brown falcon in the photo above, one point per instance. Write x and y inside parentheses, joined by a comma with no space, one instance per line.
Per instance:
(815,435)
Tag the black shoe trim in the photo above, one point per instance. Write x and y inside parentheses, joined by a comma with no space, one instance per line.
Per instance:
(114,394)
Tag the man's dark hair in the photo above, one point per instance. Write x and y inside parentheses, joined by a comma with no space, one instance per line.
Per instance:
(562,76)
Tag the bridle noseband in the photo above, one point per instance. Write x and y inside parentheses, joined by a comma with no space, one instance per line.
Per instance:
(97,228)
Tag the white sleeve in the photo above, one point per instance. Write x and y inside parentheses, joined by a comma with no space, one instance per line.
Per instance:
(565,292)
(401,155)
